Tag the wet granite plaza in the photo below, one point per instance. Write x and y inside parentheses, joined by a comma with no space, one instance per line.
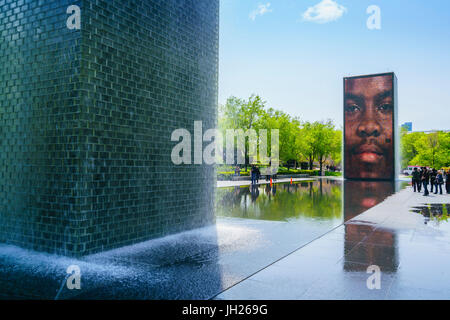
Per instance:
(313,239)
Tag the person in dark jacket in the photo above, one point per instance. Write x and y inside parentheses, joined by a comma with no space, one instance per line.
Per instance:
(425,180)
(433,175)
(439,182)
(258,174)
(447,181)
(416,180)
(253,175)
(420,179)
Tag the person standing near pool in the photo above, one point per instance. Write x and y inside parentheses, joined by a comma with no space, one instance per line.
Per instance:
(258,174)
(416,180)
(253,174)
(425,180)
(439,182)
(433,175)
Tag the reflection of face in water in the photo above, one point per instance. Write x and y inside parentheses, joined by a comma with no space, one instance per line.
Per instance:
(360,196)
(368,113)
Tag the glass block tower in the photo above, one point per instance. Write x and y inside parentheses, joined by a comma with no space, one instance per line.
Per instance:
(86,116)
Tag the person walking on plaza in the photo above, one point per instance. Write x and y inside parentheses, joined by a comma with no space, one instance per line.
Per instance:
(433,184)
(439,182)
(425,180)
(419,184)
(416,180)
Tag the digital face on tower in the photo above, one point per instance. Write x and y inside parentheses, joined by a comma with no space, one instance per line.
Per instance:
(368,126)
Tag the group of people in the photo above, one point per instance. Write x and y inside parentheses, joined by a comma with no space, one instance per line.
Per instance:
(434,178)
(255,174)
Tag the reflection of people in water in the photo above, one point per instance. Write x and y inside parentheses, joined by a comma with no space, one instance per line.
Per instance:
(436,212)
(254,192)
(368,121)
(268,189)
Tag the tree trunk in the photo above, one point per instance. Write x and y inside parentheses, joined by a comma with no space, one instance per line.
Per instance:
(321,165)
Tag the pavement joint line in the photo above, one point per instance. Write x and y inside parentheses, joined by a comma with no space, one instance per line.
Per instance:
(390,285)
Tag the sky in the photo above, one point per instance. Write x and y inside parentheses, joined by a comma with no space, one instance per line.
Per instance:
(294,54)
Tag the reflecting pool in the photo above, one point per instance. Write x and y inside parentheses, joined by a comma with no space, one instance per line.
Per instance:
(321,199)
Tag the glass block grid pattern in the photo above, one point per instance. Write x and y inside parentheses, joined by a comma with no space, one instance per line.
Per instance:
(86,118)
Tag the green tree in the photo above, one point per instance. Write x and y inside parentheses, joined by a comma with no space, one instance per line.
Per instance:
(336,154)
(433,149)
(319,141)
(305,146)
(298,141)
(242,114)
(408,145)
(289,132)
(326,141)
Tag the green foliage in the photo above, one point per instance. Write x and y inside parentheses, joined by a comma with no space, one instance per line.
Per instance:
(241,114)
(425,149)
(228,175)
(298,141)
(224,175)
(321,141)
(333,174)
(285,171)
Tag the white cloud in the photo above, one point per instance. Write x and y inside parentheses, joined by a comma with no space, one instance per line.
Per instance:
(324,12)
(261,10)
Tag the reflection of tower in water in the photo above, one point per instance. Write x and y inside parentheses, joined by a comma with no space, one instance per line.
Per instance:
(379,245)
(360,196)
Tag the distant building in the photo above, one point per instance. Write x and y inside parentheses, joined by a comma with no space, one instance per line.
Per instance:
(407,126)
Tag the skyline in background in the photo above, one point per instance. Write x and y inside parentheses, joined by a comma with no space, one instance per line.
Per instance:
(295,54)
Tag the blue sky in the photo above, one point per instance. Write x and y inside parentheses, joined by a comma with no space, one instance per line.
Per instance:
(296,61)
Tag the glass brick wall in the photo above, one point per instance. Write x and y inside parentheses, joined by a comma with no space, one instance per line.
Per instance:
(86,118)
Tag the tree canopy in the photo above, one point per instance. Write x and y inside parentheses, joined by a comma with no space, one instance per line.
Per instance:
(425,149)
(298,141)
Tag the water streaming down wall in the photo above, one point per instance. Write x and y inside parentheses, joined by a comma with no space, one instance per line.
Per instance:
(86,118)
